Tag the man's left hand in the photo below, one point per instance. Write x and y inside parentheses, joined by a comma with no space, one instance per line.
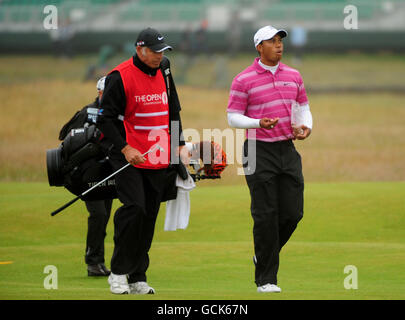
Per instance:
(301,132)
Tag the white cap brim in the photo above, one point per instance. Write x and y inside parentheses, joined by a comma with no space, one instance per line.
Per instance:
(267,33)
(100,84)
(164,48)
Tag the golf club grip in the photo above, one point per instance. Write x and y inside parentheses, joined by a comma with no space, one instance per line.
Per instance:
(65,206)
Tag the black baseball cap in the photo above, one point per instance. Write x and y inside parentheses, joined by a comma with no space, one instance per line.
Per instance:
(152,39)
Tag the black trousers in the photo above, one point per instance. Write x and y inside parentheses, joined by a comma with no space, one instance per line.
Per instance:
(276,184)
(140,191)
(99,211)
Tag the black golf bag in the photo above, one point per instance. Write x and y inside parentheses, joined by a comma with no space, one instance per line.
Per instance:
(80,162)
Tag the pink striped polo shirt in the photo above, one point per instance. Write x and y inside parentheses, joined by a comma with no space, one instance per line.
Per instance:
(257,93)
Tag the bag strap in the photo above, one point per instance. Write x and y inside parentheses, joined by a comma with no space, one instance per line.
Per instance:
(165,68)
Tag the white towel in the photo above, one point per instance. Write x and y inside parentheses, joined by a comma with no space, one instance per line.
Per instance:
(178,210)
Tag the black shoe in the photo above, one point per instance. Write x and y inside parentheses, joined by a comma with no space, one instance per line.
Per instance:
(98,270)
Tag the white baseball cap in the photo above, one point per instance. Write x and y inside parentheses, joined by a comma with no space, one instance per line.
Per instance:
(267,33)
(100,84)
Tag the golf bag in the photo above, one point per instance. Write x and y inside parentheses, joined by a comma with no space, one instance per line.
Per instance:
(80,162)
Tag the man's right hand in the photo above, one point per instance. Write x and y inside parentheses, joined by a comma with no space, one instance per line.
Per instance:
(267,123)
(132,155)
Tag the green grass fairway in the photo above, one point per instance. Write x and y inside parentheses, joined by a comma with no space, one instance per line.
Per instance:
(360,224)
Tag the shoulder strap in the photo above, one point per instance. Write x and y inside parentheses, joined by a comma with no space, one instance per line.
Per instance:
(165,68)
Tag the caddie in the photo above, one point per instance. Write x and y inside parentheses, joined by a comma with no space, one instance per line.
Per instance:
(141,92)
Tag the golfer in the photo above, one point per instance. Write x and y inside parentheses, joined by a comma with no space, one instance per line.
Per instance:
(261,99)
(141,93)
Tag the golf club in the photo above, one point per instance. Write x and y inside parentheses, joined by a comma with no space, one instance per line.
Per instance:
(156,146)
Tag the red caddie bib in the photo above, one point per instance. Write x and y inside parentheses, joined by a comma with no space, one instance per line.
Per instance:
(146,118)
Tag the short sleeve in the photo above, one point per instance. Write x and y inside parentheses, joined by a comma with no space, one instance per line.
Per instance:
(302,98)
(238,97)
